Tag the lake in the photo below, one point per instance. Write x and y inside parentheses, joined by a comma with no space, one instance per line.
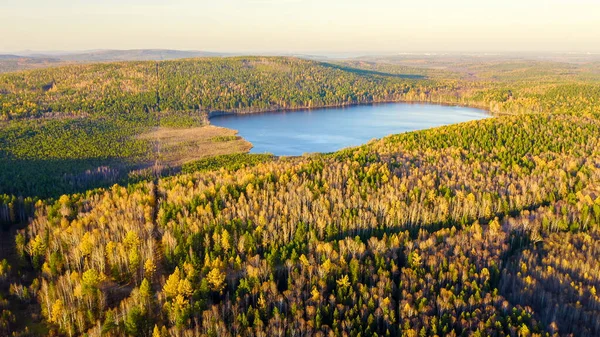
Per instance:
(292,133)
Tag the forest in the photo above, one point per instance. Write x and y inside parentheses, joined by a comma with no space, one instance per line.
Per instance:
(81,122)
(485,228)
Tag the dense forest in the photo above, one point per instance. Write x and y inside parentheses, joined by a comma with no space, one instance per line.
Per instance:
(485,228)
(80,123)
(52,115)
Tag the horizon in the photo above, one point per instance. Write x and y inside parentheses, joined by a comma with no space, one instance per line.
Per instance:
(303,26)
(341,54)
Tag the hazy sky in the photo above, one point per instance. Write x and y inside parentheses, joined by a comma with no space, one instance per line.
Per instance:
(302,26)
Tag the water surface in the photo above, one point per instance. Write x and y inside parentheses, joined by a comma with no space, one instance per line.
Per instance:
(293,133)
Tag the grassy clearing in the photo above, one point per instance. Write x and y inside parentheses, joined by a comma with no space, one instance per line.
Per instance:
(175,147)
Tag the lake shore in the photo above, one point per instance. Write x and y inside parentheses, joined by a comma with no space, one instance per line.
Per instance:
(217,113)
(284,133)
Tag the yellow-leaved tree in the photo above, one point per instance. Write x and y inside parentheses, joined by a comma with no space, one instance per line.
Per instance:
(216,280)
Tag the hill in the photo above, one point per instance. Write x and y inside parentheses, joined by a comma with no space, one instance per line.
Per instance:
(458,230)
(134,55)
(481,228)
(82,122)
(75,119)
(34,60)
(12,63)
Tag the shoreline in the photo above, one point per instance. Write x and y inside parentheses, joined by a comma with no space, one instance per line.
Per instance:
(486,114)
(218,113)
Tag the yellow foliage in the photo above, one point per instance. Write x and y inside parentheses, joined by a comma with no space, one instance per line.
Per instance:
(45,269)
(57,312)
(385,302)
(134,258)
(216,280)
(171,286)
(131,240)
(78,291)
(262,303)
(149,268)
(304,260)
(225,240)
(185,288)
(326,266)
(90,278)
(343,282)
(74,276)
(37,246)
(315,294)
(156,331)
(180,301)
(189,269)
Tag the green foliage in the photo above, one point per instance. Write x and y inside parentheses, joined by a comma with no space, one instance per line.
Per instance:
(229,161)
(87,117)
(219,139)
(51,157)
(72,139)
(181,119)
(445,231)
(485,228)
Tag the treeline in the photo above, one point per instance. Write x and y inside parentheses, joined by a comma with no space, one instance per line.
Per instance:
(250,84)
(228,162)
(481,228)
(79,90)
(243,84)
(504,86)
(15,210)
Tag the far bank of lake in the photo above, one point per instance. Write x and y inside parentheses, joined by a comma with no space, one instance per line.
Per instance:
(292,133)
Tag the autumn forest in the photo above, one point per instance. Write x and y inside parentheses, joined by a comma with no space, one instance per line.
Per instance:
(483,228)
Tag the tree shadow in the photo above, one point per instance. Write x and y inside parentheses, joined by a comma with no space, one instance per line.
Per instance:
(558,305)
(364,72)
(39,178)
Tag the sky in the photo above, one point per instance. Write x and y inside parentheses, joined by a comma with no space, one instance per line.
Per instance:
(302,26)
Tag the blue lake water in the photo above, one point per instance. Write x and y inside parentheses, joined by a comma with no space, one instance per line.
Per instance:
(293,133)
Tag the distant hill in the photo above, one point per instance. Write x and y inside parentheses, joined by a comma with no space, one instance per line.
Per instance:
(135,55)
(9,57)
(34,60)
(11,62)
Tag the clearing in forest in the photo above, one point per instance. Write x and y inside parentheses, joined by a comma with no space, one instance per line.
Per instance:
(177,146)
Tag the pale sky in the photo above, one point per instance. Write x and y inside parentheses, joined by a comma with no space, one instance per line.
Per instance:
(302,26)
